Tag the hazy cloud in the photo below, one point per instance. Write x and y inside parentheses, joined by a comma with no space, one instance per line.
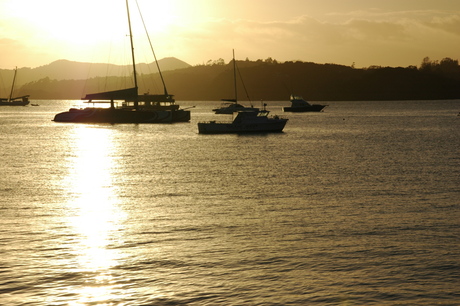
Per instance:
(449,24)
(369,38)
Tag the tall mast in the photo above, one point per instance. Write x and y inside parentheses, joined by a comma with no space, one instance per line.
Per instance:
(12,86)
(132,45)
(234,76)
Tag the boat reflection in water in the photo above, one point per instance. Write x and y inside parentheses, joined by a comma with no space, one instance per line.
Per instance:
(94,216)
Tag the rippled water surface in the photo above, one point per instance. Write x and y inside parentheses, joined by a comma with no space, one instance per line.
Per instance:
(358,205)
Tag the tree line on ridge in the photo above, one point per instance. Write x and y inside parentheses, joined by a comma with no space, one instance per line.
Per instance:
(270,80)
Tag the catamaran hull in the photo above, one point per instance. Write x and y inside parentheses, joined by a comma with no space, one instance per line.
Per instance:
(312,108)
(107,115)
(14,103)
(229,128)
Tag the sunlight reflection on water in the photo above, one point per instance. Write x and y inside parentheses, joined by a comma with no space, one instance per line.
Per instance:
(97,217)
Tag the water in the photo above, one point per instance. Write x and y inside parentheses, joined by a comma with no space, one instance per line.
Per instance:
(358,205)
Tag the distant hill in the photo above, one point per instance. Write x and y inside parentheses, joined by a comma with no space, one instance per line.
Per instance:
(272,81)
(70,70)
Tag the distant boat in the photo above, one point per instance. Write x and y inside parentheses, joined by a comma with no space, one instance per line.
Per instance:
(18,101)
(134,108)
(298,104)
(245,122)
(231,105)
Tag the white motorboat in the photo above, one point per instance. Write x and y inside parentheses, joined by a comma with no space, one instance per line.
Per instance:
(245,122)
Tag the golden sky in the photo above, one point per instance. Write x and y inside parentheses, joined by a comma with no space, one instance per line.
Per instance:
(365,32)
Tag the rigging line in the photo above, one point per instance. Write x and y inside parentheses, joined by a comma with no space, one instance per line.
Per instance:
(244,86)
(151,47)
(12,86)
(234,77)
(107,68)
(132,46)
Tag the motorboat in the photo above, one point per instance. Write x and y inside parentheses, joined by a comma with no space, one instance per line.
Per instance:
(245,122)
(298,104)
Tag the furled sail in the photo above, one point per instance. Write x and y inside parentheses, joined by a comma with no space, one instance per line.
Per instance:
(123,94)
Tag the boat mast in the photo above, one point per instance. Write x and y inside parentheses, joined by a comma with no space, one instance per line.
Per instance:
(132,53)
(234,77)
(12,86)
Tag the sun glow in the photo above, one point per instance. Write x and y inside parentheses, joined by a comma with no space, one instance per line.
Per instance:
(88,30)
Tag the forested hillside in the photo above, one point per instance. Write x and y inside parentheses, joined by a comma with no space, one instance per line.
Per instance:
(271,80)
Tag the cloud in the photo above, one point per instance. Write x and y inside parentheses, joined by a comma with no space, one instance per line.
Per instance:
(8,42)
(368,37)
(375,30)
(450,24)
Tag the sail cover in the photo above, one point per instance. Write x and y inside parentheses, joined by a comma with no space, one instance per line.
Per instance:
(123,94)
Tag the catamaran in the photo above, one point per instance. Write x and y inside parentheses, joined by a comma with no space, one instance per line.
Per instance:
(135,108)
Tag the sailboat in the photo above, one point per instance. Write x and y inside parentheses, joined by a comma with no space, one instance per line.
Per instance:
(135,108)
(231,105)
(18,101)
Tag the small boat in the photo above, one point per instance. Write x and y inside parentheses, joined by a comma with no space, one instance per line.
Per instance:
(135,108)
(298,104)
(231,105)
(18,101)
(245,122)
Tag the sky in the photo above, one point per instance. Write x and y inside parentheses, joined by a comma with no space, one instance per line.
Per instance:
(348,32)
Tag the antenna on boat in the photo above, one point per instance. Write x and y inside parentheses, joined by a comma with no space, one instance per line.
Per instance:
(263,104)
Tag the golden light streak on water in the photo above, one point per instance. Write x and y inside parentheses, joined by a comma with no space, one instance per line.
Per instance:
(97,217)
